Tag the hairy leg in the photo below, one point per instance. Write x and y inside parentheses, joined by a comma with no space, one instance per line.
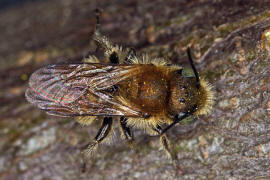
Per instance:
(131,56)
(126,133)
(91,59)
(100,137)
(86,120)
(164,142)
(113,53)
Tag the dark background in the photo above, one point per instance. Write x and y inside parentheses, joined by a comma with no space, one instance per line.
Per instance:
(230,42)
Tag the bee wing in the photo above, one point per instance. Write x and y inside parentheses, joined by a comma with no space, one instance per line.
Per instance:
(80,89)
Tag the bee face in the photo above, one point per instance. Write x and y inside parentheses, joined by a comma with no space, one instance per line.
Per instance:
(143,92)
(183,93)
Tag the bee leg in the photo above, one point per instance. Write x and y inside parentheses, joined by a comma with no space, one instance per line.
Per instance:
(126,132)
(113,53)
(91,59)
(113,57)
(130,58)
(166,146)
(165,143)
(103,41)
(101,135)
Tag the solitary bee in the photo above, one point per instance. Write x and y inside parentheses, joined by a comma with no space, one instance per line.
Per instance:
(136,91)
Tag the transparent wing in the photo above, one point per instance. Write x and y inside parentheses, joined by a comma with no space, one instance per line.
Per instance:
(80,89)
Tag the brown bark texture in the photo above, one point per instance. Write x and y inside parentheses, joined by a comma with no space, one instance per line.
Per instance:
(230,42)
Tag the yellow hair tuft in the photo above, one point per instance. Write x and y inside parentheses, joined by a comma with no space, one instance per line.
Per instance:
(207,99)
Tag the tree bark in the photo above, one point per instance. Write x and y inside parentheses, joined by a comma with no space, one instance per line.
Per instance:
(230,42)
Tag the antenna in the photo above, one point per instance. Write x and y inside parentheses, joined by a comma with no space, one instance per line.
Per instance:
(193,68)
(179,117)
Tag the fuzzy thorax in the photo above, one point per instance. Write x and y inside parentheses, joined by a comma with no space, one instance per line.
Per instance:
(207,98)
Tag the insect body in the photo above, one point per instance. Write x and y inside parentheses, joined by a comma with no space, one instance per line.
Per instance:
(135,90)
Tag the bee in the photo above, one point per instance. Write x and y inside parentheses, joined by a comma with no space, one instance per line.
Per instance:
(137,91)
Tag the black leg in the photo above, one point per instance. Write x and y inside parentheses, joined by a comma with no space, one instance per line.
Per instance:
(164,142)
(101,135)
(114,59)
(126,132)
(98,13)
(113,53)
(158,129)
(104,130)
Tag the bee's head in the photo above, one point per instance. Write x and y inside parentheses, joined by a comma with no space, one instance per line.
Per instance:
(189,95)
(189,92)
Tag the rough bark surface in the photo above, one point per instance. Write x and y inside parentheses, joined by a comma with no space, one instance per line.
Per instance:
(231,43)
